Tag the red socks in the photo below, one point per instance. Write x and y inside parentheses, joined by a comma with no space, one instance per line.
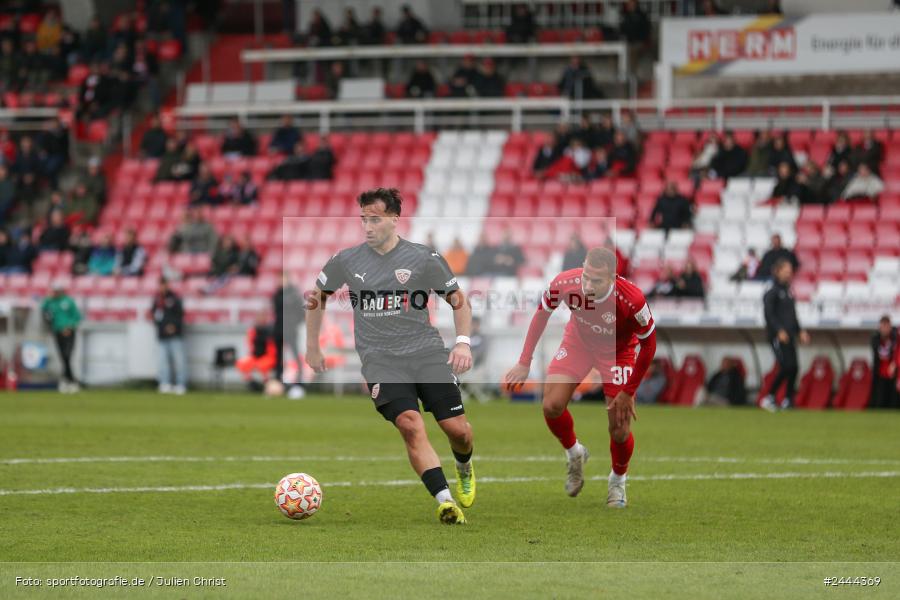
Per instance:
(563,427)
(621,454)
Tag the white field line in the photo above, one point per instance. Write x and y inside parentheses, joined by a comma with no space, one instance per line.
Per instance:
(401,458)
(405,482)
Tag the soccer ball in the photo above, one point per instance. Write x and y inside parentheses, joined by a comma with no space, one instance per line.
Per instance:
(298,496)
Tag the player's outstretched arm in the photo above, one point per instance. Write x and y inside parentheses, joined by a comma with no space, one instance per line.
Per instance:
(315,312)
(622,405)
(460,359)
(515,377)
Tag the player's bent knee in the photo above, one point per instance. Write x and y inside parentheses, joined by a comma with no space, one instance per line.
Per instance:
(619,433)
(554,410)
(410,424)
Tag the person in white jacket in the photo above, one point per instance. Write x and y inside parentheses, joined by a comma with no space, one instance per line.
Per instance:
(865,184)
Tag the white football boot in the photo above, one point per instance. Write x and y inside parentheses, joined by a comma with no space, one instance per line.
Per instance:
(615,497)
(575,476)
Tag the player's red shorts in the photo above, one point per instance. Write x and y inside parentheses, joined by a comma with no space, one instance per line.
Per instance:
(575,359)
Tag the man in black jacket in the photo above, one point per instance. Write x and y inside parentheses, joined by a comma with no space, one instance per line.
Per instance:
(884,365)
(290,312)
(772,256)
(168,314)
(783,331)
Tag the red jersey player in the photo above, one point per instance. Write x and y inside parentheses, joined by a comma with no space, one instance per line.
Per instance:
(609,318)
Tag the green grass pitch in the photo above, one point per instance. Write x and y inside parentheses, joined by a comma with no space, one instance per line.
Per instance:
(722,502)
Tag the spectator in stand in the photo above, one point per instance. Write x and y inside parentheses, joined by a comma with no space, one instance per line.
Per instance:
(33,66)
(333,79)
(95,42)
(462,82)
(689,284)
(57,202)
(457,257)
(95,95)
(103,257)
(53,150)
(758,165)
(810,184)
(726,386)
(748,269)
(187,165)
(94,180)
(20,254)
(411,30)
(838,181)
(629,127)
(587,131)
(575,253)
(294,167)
(652,385)
(319,32)
(248,191)
(248,258)
(703,159)
(285,137)
(841,151)
(482,258)
(9,65)
(61,314)
(224,263)
(153,142)
(606,131)
(885,358)
(145,73)
(781,152)
(83,207)
(575,160)
(195,235)
(421,83)
(708,8)
(7,194)
(869,151)
(168,315)
(546,155)
(238,141)
(522,28)
(775,253)
(508,257)
(8,148)
(672,210)
(49,32)
(623,156)
(599,166)
(865,185)
(82,247)
(665,284)
(28,162)
(350,33)
(786,186)
(322,161)
(204,188)
(577,81)
(374,32)
(228,190)
(730,160)
(634,28)
(131,257)
(56,235)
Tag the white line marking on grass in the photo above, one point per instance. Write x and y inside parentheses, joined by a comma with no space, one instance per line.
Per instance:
(405,482)
(402,458)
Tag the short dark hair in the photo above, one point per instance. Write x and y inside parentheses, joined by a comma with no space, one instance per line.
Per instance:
(602,257)
(885,319)
(390,196)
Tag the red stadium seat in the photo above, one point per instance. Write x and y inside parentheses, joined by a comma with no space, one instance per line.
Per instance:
(854,387)
(691,378)
(816,385)
(766,386)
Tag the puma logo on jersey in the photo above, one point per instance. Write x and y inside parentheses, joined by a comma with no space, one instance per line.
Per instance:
(361,277)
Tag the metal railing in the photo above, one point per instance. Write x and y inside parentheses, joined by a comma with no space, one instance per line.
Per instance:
(491,14)
(518,114)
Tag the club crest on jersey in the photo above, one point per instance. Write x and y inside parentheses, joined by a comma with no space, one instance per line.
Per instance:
(609,317)
(402,275)
(375,390)
(561,354)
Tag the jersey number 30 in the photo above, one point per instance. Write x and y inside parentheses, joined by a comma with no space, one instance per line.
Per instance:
(621,374)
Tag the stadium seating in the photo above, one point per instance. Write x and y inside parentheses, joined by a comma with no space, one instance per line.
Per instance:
(689,381)
(816,385)
(854,387)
